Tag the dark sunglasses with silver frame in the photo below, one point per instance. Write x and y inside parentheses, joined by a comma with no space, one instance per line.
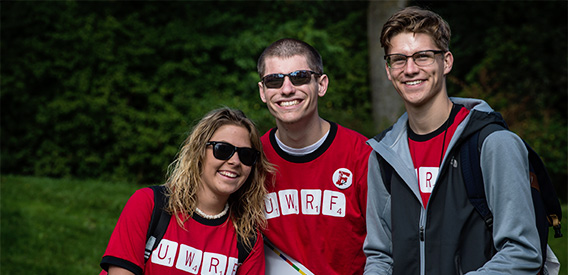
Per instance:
(224,151)
(297,78)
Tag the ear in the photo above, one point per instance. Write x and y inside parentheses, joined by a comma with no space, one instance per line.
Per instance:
(323,82)
(448,62)
(261,91)
(388,71)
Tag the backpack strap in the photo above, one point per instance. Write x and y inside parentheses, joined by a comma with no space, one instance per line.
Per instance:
(244,251)
(471,170)
(159,221)
(544,198)
(540,180)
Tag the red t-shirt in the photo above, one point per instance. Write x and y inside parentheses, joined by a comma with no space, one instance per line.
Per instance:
(203,247)
(426,151)
(316,209)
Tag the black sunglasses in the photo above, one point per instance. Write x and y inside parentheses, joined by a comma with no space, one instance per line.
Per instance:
(300,77)
(224,151)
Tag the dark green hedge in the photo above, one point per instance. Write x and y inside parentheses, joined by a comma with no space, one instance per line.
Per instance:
(513,54)
(110,89)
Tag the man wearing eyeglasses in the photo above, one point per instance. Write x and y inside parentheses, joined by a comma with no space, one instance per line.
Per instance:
(419,218)
(316,206)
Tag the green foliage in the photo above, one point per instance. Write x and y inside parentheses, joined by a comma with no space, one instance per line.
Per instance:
(514,56)
(110,89)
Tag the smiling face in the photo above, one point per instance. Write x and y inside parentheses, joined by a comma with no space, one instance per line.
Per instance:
(289,103)
(221,178)
(417,85)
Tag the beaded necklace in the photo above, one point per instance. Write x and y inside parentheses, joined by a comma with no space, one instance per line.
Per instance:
(212,217)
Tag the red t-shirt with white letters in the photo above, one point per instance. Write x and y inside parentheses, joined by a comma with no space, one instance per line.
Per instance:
(203,247)
(316,209)
(426,151)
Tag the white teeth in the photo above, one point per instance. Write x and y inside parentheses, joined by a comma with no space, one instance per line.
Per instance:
(228,174)
(416,82)
(289,103)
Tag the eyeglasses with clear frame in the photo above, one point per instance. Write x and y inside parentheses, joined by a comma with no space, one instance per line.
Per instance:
(421,58)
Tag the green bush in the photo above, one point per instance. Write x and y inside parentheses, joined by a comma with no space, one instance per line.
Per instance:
(109,90)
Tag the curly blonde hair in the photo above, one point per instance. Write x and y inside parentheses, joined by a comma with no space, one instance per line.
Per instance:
(184,175)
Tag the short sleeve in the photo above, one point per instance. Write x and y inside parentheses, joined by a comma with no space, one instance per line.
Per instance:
(254,263)
(127,242)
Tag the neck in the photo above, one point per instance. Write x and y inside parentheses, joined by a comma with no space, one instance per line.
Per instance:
(210,204)
(215,216)
(429,117)
(299,135)
(211,210)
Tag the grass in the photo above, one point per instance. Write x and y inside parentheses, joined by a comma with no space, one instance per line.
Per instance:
(560,245)
(60,226)
(57,226)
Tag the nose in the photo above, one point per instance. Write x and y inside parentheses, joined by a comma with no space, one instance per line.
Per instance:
(234,159)
(287,86)
(410,67)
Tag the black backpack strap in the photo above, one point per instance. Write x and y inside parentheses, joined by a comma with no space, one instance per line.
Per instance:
(471,170)
(159,221)
(540,180)
(244,251)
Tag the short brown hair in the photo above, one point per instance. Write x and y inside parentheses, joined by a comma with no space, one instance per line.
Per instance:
(289,47)
(417,20)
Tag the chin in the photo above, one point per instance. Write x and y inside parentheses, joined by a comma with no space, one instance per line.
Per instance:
(289,118)
(230,189)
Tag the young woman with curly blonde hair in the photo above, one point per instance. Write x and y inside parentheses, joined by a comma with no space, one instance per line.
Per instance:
(215,193)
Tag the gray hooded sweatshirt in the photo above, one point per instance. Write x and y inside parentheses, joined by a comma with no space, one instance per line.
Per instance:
(449,236)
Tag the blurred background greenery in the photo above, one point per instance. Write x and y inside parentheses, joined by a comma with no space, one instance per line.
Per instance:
(107,91)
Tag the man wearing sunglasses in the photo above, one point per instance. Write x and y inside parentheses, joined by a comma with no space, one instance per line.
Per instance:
(316,206)
(420,219)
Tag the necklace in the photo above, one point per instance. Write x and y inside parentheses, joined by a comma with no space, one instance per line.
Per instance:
(212,217)
(445,132)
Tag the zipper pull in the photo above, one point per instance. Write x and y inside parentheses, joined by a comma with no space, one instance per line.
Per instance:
(421,234)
